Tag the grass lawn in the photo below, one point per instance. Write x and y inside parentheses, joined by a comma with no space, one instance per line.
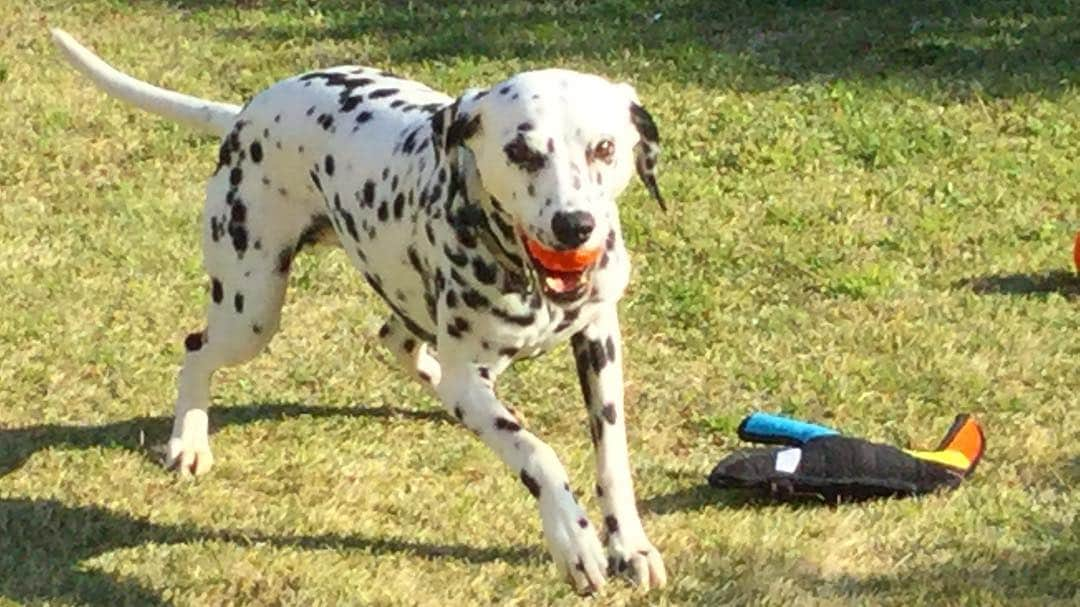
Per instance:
(872,208)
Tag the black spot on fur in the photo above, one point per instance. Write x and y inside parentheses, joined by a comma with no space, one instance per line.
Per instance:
(461,130)
(328,164)
(474,299)
(451,298)
(380,93)
(578,343)
(501,423)
(256,151)
(409,345)
(369,193)
(236,176)
(409,143)
(224,156)
(608,412)
(239,234)
(399,205)
(530,483)
(414,261)
(193,342)
(238,302)
(458,328)
(315,180)
(519,154)
(217,292)
(458,258)
(486,273)
(350,103)
(363,117)
(597,356)
(350,224)
(435,195)
(325,121)
(612,524)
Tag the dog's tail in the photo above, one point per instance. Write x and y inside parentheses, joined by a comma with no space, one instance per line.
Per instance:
(202,114)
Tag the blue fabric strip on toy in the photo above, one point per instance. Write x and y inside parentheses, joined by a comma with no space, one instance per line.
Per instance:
(778,430)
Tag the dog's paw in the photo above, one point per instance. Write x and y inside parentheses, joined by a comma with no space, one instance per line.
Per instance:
(573,544)
(634,557)
(189,457)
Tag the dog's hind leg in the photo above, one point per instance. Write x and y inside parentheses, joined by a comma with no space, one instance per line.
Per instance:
(250,237)
(415,356)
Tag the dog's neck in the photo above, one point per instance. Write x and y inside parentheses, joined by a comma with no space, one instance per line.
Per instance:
(473,211)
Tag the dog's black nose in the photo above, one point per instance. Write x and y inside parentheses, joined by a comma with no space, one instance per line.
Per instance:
(572,228)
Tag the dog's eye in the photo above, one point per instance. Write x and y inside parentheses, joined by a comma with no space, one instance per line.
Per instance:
(604,151)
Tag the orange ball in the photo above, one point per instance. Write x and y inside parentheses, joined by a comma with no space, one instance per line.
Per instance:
(575,260)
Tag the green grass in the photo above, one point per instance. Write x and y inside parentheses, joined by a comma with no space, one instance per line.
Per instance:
(872,211)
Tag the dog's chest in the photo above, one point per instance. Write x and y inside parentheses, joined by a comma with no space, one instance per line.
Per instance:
(504,317)
(516,327)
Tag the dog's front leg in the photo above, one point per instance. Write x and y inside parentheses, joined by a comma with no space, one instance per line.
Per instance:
(598,355)
(467,390)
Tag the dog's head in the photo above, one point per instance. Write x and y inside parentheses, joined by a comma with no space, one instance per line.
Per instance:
(556,148)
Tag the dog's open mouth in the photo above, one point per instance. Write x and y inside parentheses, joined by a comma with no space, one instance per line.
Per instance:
(563,274)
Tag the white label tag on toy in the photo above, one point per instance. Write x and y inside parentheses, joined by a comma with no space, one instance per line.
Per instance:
(788,460)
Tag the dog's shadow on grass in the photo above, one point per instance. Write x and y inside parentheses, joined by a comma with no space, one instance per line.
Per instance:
(145,435)
(43,543)
(1030,284)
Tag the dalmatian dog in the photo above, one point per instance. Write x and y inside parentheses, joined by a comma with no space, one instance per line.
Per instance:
(488,225)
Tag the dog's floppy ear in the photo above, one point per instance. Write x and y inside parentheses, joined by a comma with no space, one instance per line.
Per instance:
(464,118)
(647,150)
